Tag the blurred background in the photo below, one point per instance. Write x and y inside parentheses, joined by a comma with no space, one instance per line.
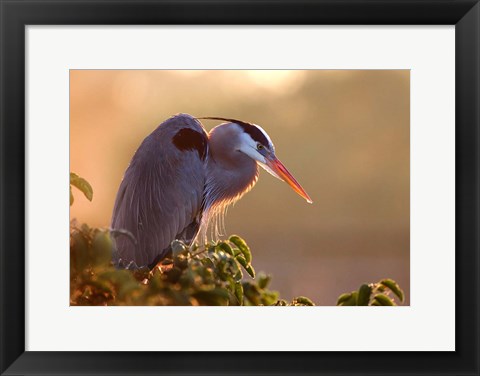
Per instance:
(344,134)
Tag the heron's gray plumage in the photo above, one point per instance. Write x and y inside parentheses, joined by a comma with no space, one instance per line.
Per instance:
(160,197)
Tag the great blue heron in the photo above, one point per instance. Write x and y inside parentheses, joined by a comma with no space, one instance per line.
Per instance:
(182,179)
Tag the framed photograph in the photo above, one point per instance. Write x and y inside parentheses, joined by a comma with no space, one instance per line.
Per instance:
(346,136)
(297,258)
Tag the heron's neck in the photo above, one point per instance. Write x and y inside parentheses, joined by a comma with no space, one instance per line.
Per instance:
(230,173)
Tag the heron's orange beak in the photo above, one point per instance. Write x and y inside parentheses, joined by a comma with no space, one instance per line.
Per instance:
(283,174)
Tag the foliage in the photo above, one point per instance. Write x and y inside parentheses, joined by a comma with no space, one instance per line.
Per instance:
(211,275)
(83,185)
(373,294)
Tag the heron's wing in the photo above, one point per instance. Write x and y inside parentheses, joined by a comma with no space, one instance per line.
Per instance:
(160,197)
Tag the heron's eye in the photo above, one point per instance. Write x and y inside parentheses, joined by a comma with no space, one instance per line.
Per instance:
(260,146)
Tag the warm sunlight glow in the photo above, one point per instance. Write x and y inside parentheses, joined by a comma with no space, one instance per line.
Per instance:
(284,80)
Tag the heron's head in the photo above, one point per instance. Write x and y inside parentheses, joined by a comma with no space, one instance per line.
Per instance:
(255,143)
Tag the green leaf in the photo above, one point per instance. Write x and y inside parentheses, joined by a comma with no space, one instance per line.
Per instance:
(380,288)
(351,301)
(252,293)
(71,196)
(207,263)
(303,300)
(269,298)
(250,270)
(364,293)
(343,298)
(226,248)
(392,285)
(82,185)
(263,280)
(239,292)
(247,267)
(242,246)
(231,284)
(383,300)
(239,275)
(242,261)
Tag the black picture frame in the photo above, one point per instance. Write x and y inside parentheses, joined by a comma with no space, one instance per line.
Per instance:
(16,14)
